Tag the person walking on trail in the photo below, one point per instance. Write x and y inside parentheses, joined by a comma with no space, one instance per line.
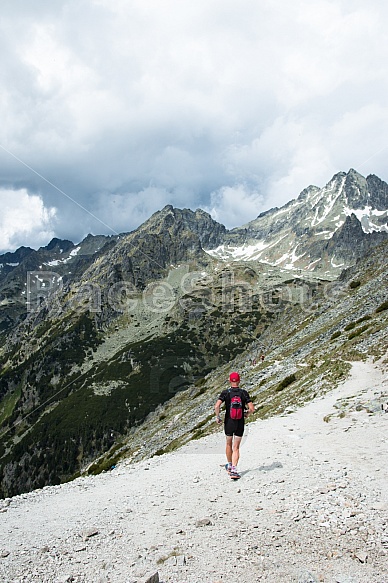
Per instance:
(236,402)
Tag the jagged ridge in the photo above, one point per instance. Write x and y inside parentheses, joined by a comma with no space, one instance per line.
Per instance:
(149,313)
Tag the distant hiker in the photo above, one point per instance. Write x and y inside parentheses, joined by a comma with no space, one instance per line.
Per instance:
(236,400)
(262,357)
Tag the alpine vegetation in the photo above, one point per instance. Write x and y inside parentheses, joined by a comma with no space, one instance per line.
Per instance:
(117,347)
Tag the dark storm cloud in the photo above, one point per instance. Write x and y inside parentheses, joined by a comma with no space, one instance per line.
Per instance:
(112,110)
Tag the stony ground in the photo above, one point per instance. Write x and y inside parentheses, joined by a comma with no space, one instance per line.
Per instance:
(311,506)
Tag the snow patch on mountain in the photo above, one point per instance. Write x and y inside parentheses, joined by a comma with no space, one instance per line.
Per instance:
(330,196)
(73,253)
(316,215)
(365,217)
(244,252)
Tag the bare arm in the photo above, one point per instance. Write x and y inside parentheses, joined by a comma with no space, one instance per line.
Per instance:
(251,409)
(217,408)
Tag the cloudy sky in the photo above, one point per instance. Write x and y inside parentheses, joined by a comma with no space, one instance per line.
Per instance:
(113,108)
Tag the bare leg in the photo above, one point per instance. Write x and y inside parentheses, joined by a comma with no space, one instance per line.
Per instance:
(236,450)
(229,448)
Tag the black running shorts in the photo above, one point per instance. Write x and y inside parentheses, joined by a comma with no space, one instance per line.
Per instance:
(234,427)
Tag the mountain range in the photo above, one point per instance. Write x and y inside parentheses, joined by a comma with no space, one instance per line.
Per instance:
(314,231)
(106,344)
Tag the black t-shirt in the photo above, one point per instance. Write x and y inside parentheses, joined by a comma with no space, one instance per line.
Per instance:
(227,394)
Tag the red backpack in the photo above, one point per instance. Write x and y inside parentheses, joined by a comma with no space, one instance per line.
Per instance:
(236,405)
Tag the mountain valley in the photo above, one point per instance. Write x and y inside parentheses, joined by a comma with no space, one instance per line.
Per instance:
(118,347)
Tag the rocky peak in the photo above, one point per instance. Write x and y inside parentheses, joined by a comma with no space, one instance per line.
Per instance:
(351,230)
(94,243)
(356,190)
(58,245)
(176,221)
(378,192)
(347,210)
(350,242)
(308,192)
(15,256)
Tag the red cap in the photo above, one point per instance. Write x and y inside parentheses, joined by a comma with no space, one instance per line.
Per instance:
(234,377)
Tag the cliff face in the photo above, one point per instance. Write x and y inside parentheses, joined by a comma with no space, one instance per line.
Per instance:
(350,242)
(298,235)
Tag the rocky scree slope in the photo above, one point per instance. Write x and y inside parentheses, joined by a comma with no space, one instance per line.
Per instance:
(151,316)
(308,348)
(104,351)
(313,493)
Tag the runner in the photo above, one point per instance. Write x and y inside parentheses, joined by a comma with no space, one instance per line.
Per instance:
(235,400)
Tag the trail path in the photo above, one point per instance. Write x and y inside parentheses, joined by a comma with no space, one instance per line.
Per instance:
(311,506)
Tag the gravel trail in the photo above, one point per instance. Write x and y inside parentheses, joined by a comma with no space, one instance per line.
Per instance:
(311,506)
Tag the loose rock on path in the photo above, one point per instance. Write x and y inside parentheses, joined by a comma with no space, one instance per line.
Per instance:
(311,506)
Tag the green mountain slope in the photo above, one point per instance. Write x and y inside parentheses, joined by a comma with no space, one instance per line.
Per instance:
(308,349)
(135,349)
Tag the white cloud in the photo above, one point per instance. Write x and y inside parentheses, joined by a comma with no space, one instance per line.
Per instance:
(131,208)
(172,101)
(24,220)
(234,206)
